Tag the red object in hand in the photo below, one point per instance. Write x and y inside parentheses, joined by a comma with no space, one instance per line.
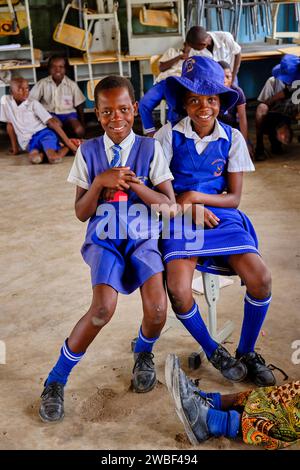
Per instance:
(119,196)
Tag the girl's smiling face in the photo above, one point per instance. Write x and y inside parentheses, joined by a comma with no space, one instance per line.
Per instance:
(203,111)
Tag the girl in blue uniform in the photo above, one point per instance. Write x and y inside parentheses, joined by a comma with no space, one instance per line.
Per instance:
(115,175)
(207,159)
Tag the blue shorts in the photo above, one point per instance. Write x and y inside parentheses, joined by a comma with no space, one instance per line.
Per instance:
(44,140)
(64,117)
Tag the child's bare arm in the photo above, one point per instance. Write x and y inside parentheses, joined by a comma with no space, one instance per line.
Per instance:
(164,196)
(86,201)
(53,124)
(15,149)
(167,64)
(229,199)
(277,97)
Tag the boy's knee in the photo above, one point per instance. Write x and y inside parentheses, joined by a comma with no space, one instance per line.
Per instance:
(157,313)
(100,315)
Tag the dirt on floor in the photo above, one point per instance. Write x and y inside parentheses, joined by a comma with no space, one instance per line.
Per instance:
(45,289)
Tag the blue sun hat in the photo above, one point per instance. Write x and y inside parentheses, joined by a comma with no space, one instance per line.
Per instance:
(203,76)
(288,70)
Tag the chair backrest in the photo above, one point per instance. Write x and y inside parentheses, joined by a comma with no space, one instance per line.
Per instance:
(90,88)
(154,64)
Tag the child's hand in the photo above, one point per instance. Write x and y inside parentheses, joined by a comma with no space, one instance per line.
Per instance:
(202,216)
(76,142)
(185,51)
(210,219)
(108,194)
(72,146)
(117,178)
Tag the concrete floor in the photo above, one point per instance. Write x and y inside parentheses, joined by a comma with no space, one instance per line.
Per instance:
(45,289)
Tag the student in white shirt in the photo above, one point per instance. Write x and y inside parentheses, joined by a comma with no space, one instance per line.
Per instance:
(217,45)
(62,97)
(31,127)
(170,65)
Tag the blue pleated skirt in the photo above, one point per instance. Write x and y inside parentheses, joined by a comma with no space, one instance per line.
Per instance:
(235,234)
(124,263)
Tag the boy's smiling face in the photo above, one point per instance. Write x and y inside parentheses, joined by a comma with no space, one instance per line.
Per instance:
(203,111)
(57,70)
(115,112)
(20,90)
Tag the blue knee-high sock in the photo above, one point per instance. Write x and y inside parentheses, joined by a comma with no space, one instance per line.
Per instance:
(223,423)
(144,344)
(255,312)
(67,360)
(215,399)
(195,325)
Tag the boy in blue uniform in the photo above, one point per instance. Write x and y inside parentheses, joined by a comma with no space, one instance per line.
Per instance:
(207,159)
(114,175)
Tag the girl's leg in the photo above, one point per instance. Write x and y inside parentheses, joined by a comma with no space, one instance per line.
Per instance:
(100,312)
(155,312)
(257,278)
(179,282)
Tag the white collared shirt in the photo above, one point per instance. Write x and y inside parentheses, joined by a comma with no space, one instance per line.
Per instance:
(176,69)
(58,99)
(159,168)
(224,48)
(27,118)
(238,157)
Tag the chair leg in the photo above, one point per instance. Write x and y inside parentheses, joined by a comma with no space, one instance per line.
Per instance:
(212,293)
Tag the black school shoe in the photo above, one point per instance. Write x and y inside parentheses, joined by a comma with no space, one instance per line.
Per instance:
(258,372)
(52,406)
(231,368)
(144,375)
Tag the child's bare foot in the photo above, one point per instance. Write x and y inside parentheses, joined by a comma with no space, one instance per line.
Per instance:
(55,160)
(36,157)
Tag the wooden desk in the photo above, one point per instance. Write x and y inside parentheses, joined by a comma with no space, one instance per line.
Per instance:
(291,50)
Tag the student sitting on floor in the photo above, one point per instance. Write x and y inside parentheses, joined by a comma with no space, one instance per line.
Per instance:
(28,125)
(276,110)
(62,97)
(236,116)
